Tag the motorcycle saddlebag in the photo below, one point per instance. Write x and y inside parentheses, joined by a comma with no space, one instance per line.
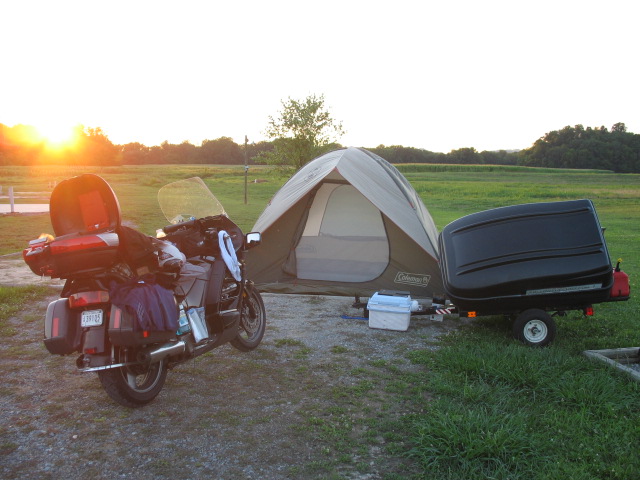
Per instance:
(85,215)
(544,255)
(122,330)
(62,335)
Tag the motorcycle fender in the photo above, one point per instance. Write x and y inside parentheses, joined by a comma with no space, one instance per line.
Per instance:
(62,333)
(94,340)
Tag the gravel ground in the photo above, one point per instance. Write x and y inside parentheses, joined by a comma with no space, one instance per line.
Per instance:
(317,399)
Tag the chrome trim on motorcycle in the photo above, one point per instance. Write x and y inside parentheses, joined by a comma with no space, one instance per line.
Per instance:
(104,367)
(166,350)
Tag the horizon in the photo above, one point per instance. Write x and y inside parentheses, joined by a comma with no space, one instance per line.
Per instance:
(60,138)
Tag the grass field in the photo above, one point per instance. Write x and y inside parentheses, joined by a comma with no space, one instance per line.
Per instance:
(136,188)
(498,409)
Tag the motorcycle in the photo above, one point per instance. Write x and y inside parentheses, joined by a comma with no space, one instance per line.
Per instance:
(134,306)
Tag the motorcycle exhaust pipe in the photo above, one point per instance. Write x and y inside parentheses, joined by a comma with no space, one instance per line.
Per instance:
(153,356)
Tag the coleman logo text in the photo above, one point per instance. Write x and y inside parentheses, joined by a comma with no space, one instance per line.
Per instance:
(412,279)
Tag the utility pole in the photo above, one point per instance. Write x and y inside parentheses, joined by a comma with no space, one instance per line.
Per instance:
(246,168)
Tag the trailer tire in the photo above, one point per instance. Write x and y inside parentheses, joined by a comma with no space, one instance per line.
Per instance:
(535,328)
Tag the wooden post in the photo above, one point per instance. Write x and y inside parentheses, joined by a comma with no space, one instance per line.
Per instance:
(246,168)
(11,199)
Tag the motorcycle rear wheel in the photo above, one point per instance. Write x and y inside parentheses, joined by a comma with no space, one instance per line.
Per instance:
(252,323)
(136,385)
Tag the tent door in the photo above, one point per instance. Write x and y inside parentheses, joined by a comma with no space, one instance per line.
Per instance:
(344,238)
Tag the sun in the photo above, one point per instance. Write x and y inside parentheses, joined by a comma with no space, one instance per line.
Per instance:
(57,134)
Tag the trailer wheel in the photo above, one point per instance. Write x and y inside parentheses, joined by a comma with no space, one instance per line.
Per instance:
(535,328)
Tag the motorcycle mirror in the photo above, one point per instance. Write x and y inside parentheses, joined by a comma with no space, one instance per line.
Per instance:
(253,239)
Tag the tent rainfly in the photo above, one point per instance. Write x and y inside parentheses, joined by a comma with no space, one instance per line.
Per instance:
(347,223)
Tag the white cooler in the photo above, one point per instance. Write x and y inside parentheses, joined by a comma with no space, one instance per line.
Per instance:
(389,310)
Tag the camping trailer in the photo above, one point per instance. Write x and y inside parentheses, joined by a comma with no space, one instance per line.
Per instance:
(525,260)
(347,223)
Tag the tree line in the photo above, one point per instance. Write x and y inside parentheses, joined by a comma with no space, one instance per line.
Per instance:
(571,147)
(23,145)
(579,147)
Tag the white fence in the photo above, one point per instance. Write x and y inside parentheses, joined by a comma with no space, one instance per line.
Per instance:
(13,207)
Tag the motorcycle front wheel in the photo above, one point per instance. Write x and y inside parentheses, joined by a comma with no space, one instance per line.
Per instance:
(135,385)
(253,322)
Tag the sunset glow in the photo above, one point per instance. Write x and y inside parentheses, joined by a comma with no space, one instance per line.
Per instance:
(57,135)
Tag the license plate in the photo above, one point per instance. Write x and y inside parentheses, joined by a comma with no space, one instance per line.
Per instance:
(91,318)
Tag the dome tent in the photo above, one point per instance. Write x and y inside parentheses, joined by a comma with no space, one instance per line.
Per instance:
(347,223)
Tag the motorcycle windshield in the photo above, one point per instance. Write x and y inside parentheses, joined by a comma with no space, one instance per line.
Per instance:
(187,199)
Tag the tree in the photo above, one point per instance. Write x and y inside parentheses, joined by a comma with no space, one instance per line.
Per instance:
(302,131)
(619,127)
(258,151)
(467,156)
(172,153)
(577,147)
(93,147)
(500,157)
(222,151)
(134,153)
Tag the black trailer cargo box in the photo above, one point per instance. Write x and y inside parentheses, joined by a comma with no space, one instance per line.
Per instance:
(550,256)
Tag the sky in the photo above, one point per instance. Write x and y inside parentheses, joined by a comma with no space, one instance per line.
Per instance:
(437,75)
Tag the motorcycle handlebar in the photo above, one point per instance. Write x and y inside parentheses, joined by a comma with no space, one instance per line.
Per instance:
(177,226)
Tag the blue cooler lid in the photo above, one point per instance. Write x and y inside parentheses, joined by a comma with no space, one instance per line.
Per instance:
(380,300)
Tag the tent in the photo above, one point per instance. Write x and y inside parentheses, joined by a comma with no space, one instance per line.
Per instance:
(347,223)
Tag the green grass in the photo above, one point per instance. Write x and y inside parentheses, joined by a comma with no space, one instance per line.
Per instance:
(482,406)
(506,411)
(13,300)
(136,188)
